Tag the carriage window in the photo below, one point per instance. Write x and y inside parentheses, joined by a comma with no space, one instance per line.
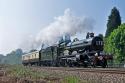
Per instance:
(35,55)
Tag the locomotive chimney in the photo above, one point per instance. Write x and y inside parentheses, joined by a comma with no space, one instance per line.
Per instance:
(87,36)
(91,34)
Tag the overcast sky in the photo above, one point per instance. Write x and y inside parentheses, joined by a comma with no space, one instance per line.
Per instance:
(21,19)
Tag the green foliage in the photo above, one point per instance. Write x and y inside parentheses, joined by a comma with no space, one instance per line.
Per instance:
(21,71)
(13,57)
(34,74)
(1,58)
(115,44)
(71,79)
(114,20)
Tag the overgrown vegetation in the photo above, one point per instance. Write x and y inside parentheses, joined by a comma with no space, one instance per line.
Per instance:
(73,79)
(28,73)
(13,57)
(22,72)
(115,44)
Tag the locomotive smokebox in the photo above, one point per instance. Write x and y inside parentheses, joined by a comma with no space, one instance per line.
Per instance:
(97,43)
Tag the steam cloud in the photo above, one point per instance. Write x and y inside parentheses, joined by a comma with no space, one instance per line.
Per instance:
(66,24)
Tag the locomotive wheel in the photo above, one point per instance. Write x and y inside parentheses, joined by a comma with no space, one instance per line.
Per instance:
(70,63)
(104,63)
(63,63)
(93,65)
(85,65)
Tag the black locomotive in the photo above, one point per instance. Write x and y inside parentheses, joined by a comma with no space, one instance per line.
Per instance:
(86,52)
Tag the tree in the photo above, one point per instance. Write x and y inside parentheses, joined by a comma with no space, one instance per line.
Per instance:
(1,58)
(19,52)
(114,20)
(115,44)
(13,57)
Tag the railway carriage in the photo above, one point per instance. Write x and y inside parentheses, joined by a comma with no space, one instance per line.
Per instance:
(31,58)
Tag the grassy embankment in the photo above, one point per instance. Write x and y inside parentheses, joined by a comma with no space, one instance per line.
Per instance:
(29,74)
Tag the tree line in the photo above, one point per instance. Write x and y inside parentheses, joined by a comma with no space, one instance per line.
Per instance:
(13,57)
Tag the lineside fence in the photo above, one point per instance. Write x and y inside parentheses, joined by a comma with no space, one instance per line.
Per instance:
(113,65)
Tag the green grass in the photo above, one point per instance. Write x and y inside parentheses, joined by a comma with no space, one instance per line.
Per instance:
(22,72)
(71,79)
(26,72)
(74,79)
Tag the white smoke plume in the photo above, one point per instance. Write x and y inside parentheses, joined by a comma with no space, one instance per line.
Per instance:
(66,24)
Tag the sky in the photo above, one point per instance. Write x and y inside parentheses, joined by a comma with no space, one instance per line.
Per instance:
(23,19)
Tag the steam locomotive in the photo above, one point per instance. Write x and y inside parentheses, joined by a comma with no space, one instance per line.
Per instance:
(86,52)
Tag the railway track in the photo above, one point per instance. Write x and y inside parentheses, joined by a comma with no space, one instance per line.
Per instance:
(92,70)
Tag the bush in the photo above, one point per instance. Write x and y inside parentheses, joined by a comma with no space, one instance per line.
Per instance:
(115,44)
